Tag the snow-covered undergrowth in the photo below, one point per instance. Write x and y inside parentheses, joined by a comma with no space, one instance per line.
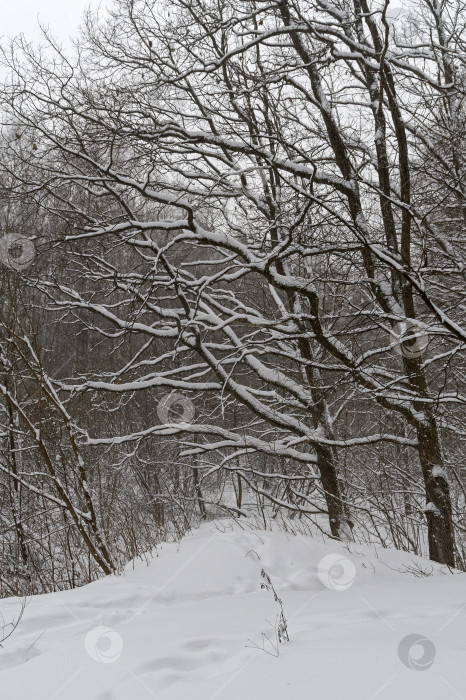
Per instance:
(195,624)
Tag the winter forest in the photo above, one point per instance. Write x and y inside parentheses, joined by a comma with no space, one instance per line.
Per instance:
(233,290)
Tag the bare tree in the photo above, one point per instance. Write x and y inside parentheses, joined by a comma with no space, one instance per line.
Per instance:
(248,221)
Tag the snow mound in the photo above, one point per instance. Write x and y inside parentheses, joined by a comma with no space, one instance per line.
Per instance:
(199,623)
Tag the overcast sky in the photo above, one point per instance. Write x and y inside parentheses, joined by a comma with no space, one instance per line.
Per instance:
(63,17)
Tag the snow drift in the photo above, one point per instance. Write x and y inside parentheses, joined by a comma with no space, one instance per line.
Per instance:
(200,622)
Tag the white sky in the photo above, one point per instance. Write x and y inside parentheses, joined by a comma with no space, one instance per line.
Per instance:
(62,16)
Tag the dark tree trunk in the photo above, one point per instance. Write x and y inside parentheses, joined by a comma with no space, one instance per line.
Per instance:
(441,536)
(200,499)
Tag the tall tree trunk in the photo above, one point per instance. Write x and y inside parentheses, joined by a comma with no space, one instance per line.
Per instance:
(438,510)
(327,458)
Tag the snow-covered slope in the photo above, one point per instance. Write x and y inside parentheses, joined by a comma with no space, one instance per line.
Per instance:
(189,626)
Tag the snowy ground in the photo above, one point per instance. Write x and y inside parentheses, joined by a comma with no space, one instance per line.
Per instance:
(187,626)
